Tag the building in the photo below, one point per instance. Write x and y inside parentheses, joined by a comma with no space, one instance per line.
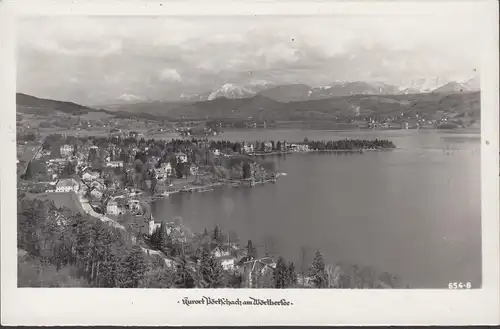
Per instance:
(112,208)
(216,152)
(67,150)
(97,184)
(228,263)
(181,157)
(220,251)
(268,146)
(115,164)
(96,194)
(67,185)
(248,148)
(89,176)
(252,268)
(193,170)
(299,147)
(167,168)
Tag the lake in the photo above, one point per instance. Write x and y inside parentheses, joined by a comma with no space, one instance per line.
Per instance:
(414,211)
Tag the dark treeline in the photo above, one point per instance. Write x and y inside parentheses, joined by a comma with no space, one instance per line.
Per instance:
(350,144)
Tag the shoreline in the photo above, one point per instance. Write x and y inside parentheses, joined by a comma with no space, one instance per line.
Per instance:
(243,183)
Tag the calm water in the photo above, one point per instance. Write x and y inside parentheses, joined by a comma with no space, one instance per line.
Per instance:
(414,211)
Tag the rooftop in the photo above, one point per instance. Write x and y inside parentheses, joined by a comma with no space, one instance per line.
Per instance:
(66,182)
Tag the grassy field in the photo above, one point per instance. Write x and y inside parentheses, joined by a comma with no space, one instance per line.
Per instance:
(69,200)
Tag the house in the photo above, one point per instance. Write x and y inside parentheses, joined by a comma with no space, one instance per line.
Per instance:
(228,262)
(268,146)
(181,157)
(96,193)
(167,167)
(67,150)
(248,148)
(67,185)
(216,152)
(193,170)
(152,226)
(252,268)
(89,176)
(115,164)
(97,184)
(221,251)
(112,208)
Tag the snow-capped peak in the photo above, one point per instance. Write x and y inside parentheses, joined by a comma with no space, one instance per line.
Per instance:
(129,97)
(230,90)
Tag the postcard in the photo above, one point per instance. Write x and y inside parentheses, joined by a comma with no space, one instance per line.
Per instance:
(250,163)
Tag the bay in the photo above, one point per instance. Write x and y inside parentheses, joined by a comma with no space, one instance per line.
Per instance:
(414,211)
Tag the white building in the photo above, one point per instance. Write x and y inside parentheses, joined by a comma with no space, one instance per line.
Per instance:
(112,208)
(67,150)
(167,167)
(89,176)
(219,252)
(228,263)
(248,148)
(67,185)
(181,157)
(193,170)
(115,164)
(216,152)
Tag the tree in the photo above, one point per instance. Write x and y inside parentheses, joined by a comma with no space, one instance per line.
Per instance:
(251,251)
(216,235)
(183,277)
(179,169)
(280,274)
(135,268)
(246,170)
(292,275)
(278,146)
(317,271)
(210,271)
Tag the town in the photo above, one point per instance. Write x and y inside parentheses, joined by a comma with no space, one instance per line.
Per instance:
(112,180)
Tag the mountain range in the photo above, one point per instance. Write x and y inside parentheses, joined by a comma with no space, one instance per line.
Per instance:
(302,92)
(261,107)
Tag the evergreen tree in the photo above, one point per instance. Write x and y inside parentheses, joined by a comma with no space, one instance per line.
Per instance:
(251,251)
(164,242)
(216,235)
(246,170)
(317,271)
(210,271)
(179,169)
(183,277)
(278,146)
(135,268)
(280,274)
(292,275)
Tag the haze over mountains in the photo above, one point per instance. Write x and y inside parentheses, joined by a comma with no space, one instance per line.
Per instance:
(302,92)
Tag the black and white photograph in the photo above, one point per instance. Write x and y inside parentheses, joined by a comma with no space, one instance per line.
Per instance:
(294,152)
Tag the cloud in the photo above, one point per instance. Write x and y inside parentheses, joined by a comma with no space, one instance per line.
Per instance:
(129,97)
(158,57)
(170,75)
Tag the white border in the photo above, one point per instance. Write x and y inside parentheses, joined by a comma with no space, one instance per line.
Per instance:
(311,307)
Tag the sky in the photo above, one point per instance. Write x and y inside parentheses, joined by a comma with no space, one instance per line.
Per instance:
(107,59)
